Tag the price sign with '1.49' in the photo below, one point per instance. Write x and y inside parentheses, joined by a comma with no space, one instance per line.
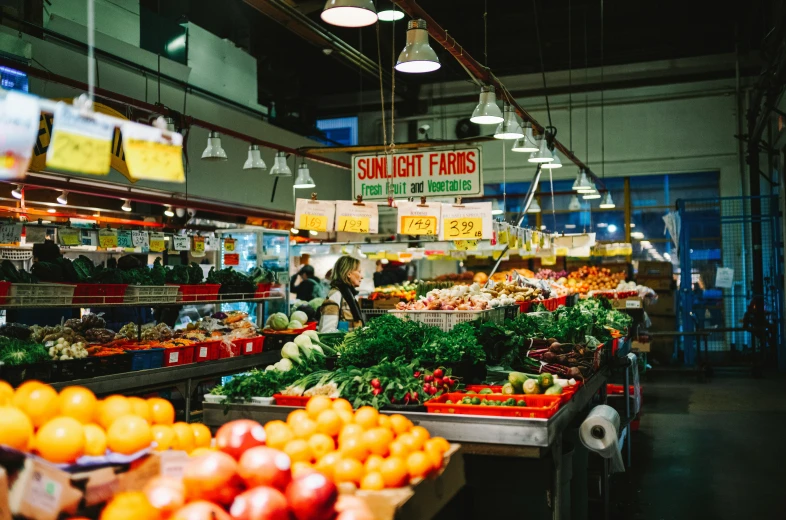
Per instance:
(418,219)
(466,221)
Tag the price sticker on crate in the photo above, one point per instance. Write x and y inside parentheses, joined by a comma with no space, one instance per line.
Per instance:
(152,153)
(357,217)
(107,238)
(315,215)
(418,219)
(19,124)
(182,242)
(466,221)
(157,242)
(80,142)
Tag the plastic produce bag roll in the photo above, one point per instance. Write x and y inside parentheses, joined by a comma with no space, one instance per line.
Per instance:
(598,433)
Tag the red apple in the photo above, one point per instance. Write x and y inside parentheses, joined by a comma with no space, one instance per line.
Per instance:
(311,497)
(260,503)
(235,437)
(212,477)
(263,466)
(200,510)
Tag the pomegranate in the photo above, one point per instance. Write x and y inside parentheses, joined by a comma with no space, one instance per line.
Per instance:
(212,477)
(200,510)
(235,437)
(312,496)
(260,503)
(263,466)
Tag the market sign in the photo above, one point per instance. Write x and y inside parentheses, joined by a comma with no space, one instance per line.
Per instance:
(436,173)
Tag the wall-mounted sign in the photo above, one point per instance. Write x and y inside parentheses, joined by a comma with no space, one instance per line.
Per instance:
(444,173)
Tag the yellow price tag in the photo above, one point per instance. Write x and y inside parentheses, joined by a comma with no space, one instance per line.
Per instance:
(229,245)
(352,224)
(154,161)
(316,222)
(198,244)
(157,243)
(79,153)
(463,228)
(107,238)
(69,237)
(466,245)
(503,237)
(414,225)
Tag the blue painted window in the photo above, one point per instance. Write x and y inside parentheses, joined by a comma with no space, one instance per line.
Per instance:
(342,130)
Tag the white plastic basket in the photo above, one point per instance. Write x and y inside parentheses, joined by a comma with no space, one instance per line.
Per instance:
(151,294)
(212,398)
(40,294)
(16,254)
(446,320)
(264,401)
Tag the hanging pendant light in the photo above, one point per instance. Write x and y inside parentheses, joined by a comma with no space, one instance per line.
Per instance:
(487,112)
(592,194)
(126,205)
(390,15)
(543,155)
(254,161)
(526,143)
(303,179)
(214,152)
(418,56)
(168,211)
(280,166)
(607,202)
(582,183)
(556,163)
(574,205)
(509,128)
(62,198)
(496,208)
(17,191)
(349,13)
(534,207)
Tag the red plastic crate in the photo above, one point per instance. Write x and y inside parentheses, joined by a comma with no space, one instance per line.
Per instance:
(99,293)
(619,389)
(311,325)
(265,289)
(250,346)
(565,396)
(538,406)
(178,356)
(206,351)
(292,400)
(227,349)
(524,306)
(198,292)
(4,288)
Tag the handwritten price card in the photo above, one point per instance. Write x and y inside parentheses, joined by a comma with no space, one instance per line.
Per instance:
(317,215)
(79,142)
(152,153)
(140,239)
(182,242)
(69,236)
(107,238)
(229,245)
(19,122)
(357,218)
(198,244)
(10,233)
(466,221)
(211,243)
(124,239)
(418,219)
(157,243)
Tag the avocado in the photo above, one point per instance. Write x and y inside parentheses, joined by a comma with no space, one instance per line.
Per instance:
(531,386)
(545,380)
(553,390)
(517,380)
(486,391)
(508,389)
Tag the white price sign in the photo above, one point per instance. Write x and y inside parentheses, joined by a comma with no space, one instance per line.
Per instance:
(80,143)
(140,239)
(418,219)
(466,221)
(724,277)
(181,242)
(211,243)
(19,123)
(317,215)
(352,217)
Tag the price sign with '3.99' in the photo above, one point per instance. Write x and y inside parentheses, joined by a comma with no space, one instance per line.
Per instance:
(466,221)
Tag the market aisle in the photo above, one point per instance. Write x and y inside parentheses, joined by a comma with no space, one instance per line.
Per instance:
(707,451)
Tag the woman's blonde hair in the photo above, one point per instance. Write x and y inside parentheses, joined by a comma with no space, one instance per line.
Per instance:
(344,266)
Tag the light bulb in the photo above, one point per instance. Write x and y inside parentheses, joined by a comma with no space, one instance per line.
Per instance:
(62,198)
(526,143)
(51,210)
(254,161)
(294,230)
(607,202)
(390,15)
(417,56)
(582,183)
(509,128)
(126,205)
(17,192)
(313,233)
(303,179)
(168,211)
(487,112)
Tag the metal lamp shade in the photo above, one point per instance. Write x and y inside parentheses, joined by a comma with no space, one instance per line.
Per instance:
(303,179)
(487,112)
(418,56)
(254,161)
(349,13)
(607,202)
(509,128)
(591,195)
(534,207)
(214,151)
(543,155)
(556,163)
(280,166)
(582,183)
(574,205)
(526,143)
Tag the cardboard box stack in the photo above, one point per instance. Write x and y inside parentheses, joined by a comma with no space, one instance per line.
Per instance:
(662,312)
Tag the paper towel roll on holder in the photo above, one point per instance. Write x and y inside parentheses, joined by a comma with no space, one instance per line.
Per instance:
(598,432)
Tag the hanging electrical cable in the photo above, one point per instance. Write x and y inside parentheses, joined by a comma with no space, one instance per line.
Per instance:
(608,201)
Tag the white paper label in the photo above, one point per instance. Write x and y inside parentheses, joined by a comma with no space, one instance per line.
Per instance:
(249,346)
(633,304)
(211,243)
(418,219)
(19,123)
(10,233)
(182,242)
(140,239)
(466,221)
(172,463)
(724,277)
(45,492)
(317,215)
(354,218)
(174,356)
(202,352)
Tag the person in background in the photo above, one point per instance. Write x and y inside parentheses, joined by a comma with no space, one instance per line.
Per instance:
(305,289)
(390,273)
(340,304)
(325,282)
(47,252)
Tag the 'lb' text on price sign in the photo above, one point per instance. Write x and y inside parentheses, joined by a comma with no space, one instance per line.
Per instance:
(352,224)
(419,225)
(315,215)
(80,143)
(466,221)
(313,222)
(463,228)
(152,153)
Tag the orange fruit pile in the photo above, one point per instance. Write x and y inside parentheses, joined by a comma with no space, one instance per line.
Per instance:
(63,427)
(365,448)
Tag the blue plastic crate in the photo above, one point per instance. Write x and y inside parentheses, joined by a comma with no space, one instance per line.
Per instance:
(146,359)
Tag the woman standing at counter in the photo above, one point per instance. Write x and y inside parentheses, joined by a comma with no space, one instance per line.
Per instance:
(340,304)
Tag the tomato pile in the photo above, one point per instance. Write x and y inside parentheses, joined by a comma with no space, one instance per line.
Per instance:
(591,278)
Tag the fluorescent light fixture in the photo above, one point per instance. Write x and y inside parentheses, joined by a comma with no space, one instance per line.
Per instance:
(632,225)
(526,143)
(390,15)
(313,233)
(17,191)
(570,226)
(645,244)
(543,155)
(62,198)
(177,43)
(603,224)
(418,56)
(582,182)
(574,205)
(51,210)
(487,112)
(126,205)
(607,202)
(496,208)
(254,161)
(509,128)
(303,179)
(637,235)
(543,226)
(534,207)
(612,228)
(213,151)
(556,163)
(280,166)
(168,211)
(349,13)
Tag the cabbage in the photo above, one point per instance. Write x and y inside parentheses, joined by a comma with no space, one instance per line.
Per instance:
(278,321)
(299,316)
(294,324)
(316,303)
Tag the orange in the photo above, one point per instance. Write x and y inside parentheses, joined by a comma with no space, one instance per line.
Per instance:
(367,417)
(420,432)
(326,464)
(419,464)
(410,441)
(398,449)
(278,434)
(201,435)
(184,437)
(317,404)
(348,470)
(16,429)
(296,417)
(329,422)
(347,417)
(6,393)
(394,472)
(400,424)
(129,434)
(372,481)
(373,462)
(140,407)
(304,428)
(111,408)
(198,452)
(384,421)
(353,448)
(23,391)
(78,402)
(95,440)
(298,450)
(321,445)
(377,440)
(163,436)
(300,468)
(61,440)
(130,505)
(341,404)
(161,411)
(434,455)
(350,430)
(40,404)
(438,443)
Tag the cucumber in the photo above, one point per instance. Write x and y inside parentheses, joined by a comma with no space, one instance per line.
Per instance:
(508,389)
(486,391)
(545,380)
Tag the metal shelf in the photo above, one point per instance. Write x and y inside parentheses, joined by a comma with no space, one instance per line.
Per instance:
(139,302)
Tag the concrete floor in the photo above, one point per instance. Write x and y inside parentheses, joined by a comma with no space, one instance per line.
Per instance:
(714,450)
